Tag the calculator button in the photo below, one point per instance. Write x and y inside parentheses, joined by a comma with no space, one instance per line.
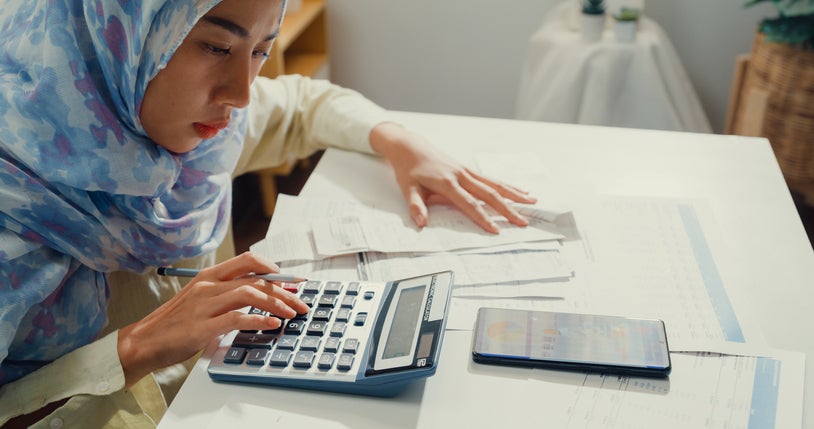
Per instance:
(311,286)
(310,343)
(338,329)
(322,313)
(345,361)
(348,301)
(369,295)
(257,357)
(234,355)
(353,288)
(303,316)
(360,319)
(287,342)
(332,344)
(295,326)
(333,288)
(327,300)
(326,361)
(280,358)
(343,315)
(253,340)
(255,310)
(292,287)
(351,344)
(303,359)
(308,299)
(249,331)
(316,328)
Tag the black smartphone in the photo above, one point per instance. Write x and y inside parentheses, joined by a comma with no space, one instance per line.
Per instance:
(581,342)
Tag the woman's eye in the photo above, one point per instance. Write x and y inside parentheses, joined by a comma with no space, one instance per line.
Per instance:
(260,54)
(218,50)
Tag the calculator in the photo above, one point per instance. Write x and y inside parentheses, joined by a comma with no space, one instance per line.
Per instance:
(361,337)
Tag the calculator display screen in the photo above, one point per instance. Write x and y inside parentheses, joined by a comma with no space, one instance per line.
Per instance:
(403,328)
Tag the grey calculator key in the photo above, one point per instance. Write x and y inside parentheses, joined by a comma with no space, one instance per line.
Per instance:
(326,361)
(332,344)
(303,359)
(257,357)
(343,314)
(253,340)
(280,357)
(348,301)
(311,286)
(338,329)
(310,343)
(327,300)
(345,361)
(351,345)
(234,355)
(353,288)
(287,342)
(333,288)
(308,298)
(360,319)
(368,295)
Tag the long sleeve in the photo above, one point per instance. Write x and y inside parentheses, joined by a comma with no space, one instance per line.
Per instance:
(291,117)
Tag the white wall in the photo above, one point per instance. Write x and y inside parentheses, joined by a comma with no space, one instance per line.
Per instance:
(464,57)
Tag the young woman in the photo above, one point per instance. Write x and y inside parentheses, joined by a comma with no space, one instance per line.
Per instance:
(121,127)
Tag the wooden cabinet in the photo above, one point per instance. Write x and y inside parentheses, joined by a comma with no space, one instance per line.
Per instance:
(301,48)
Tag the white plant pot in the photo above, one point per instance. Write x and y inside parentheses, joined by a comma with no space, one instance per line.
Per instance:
(626,30)
(591,27)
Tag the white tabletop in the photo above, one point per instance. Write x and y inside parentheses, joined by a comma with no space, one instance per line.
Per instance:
(737,176)
(640,84)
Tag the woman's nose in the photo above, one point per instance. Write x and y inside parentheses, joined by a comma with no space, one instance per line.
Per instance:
(234,89)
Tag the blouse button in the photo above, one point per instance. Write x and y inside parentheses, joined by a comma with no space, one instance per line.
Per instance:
(55,423)
(102,387)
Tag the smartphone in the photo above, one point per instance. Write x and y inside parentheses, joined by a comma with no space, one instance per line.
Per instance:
(580,342)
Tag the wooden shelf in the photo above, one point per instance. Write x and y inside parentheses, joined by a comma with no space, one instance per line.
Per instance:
(301,48)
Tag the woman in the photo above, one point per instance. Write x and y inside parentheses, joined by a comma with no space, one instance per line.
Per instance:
(121,126)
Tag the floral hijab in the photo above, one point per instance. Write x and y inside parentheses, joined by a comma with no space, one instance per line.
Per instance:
(83,190)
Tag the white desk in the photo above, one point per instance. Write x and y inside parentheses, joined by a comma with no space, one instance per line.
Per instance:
(637,85)
(737,176)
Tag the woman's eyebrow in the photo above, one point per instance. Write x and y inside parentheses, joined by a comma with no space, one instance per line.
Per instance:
(234,28)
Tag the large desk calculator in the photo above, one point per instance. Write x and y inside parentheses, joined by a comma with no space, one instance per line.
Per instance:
(363,337)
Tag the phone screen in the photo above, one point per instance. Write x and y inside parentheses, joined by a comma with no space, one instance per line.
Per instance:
(566,340)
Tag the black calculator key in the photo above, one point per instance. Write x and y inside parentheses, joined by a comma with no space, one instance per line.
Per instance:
(295,326)
(348,301)
(333,288)
(253,340)
(249,331)
(327,300)
(351,345)
(308,299)
(332,344)
(234,355)
(287,342)
(280,357)
(257,357)
(310,343)
(338,329)
(343,314)
(353,288)
(255,310)
(369,295)
(322,313)
(303,359)
(317,327)
(303,316)
(360,319)
(311,286)
(345,361)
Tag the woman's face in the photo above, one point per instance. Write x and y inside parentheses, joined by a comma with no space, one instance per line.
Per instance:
(209,75)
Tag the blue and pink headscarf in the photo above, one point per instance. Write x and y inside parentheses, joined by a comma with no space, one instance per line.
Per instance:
(83,190)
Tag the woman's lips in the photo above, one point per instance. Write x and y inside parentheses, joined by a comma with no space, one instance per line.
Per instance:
(210,129)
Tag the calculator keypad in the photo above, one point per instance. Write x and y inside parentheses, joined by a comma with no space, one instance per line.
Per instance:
(328,339)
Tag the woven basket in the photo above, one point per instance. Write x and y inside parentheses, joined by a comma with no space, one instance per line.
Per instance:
(785,75)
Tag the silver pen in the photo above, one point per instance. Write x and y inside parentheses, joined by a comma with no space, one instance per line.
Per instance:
(272,277)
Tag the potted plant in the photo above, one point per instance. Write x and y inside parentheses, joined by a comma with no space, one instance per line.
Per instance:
(593,20)
(777,81)
(626,23)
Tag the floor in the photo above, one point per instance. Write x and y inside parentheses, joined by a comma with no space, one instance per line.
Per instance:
(250,224)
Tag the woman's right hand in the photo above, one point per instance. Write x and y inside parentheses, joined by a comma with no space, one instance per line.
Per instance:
(205,308)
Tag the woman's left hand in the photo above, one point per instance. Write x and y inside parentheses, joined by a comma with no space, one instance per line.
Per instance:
(427,176)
